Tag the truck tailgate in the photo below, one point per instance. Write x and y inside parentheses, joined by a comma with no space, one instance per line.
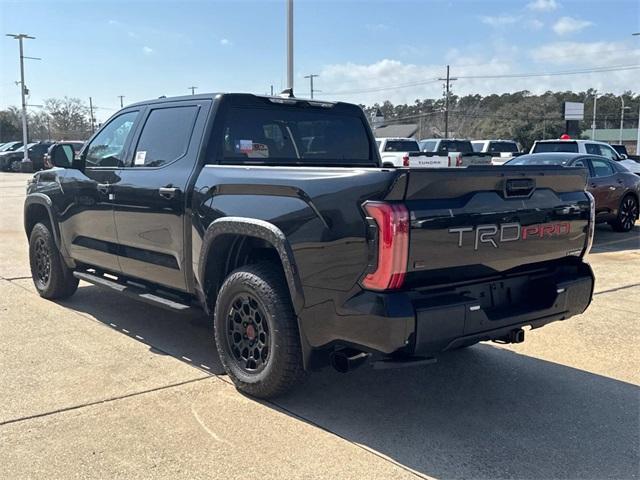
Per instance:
(479,221)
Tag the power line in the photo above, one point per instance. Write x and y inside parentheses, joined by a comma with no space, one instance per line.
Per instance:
(614,68)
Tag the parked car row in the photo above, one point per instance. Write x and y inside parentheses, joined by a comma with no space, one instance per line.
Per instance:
(613,179)
(12,154)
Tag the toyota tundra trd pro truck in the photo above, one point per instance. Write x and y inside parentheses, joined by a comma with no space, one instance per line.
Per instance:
(275,216)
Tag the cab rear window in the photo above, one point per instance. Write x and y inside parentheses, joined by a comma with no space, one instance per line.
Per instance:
(294,135)
(564,146)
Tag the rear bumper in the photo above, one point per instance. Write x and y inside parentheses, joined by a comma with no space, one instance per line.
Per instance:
(435,320)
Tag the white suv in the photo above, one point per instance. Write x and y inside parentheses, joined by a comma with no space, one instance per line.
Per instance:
(592,147)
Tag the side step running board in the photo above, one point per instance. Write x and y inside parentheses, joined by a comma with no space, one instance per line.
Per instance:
(134,291)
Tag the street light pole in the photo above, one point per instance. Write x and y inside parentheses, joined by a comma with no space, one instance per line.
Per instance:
(622,109)
(23,91)
(593,124)
(121,97)
(290,45)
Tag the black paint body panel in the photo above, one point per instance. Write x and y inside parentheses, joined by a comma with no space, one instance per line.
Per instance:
(313,217)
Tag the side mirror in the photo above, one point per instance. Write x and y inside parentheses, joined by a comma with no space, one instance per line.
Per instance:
(61,155)
(623,156)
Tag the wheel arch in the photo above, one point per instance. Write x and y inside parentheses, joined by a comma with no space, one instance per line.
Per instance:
(38,207)
(228,239)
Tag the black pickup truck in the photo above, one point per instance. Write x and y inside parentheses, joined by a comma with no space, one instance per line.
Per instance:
(274,215)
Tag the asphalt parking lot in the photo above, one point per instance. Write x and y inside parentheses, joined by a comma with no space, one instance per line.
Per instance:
(102,386)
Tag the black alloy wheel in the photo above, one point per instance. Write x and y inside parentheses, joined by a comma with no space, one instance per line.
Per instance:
(627,215)
(248,333)
(42,262)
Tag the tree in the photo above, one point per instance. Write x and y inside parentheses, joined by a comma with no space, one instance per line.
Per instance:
(10,125)
(68,118)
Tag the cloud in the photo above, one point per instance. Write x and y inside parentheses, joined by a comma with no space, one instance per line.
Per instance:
(400,82)
(586,54)
(147,50)
(225,42)
(499,20)
(535,24)
(543,5)
(115,23)
(567,25)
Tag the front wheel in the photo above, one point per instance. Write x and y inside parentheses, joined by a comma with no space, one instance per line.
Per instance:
(256,331)
(627,214)
(51,277)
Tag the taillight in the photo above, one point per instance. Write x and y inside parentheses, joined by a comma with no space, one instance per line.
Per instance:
(405,160)
(393,245)
(459,160)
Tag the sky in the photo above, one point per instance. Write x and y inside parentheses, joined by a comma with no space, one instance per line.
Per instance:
(363,51)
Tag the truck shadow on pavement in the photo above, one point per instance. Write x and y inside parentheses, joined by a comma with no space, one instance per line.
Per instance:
(484,412)
(606,240)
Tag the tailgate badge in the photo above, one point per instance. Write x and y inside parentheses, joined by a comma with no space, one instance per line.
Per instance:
(494,235)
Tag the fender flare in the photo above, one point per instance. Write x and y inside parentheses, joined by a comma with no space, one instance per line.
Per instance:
(45,201)
(252,227)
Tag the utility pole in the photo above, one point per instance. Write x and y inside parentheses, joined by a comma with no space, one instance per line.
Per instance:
(91,120)
(193,90)
(23,91)
(121,97)
(290,45)
(593,124)
(638,137)
(272,90)
(446,102)
(311,77)
(622,109)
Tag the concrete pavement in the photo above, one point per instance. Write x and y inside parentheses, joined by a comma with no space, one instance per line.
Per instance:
(100,386)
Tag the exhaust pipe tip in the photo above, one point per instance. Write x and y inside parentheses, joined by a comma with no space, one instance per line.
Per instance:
(344,361)
(516,336)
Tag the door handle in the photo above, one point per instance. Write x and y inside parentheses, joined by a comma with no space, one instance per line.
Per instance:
(106,189)
(612,188)
(103,187)
(168,192)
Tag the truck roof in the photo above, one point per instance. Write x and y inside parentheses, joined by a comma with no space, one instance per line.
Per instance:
(213,96)
(576,140)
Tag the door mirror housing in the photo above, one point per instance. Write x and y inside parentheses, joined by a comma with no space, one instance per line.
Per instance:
(62,155)
(622,156)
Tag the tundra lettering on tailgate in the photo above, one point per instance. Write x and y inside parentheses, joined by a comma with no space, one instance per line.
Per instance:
(509,232)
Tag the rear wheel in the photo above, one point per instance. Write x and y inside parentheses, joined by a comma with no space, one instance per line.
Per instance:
(627,214)
(51,276)
(256,331)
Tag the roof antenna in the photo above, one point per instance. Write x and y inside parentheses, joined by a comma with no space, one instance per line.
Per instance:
(287,93)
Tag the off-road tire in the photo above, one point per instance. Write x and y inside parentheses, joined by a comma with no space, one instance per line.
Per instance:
(51,277)
(282,369)
(627,214)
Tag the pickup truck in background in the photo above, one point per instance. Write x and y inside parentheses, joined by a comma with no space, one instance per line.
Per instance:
(457,153)
(395,151)
(501,150)
(591,147)
(275,217)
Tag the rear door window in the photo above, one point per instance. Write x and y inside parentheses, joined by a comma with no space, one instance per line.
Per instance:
(503,147)
(447,146)
(561,146)
(592,148)
(601,168)
(401,146)
(165,136)
(608,152)
(294,135)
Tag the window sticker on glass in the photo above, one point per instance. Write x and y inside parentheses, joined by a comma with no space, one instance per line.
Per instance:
(260,150)
(140,157)
(244,146)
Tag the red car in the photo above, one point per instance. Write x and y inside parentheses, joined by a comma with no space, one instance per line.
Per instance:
(615,189)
